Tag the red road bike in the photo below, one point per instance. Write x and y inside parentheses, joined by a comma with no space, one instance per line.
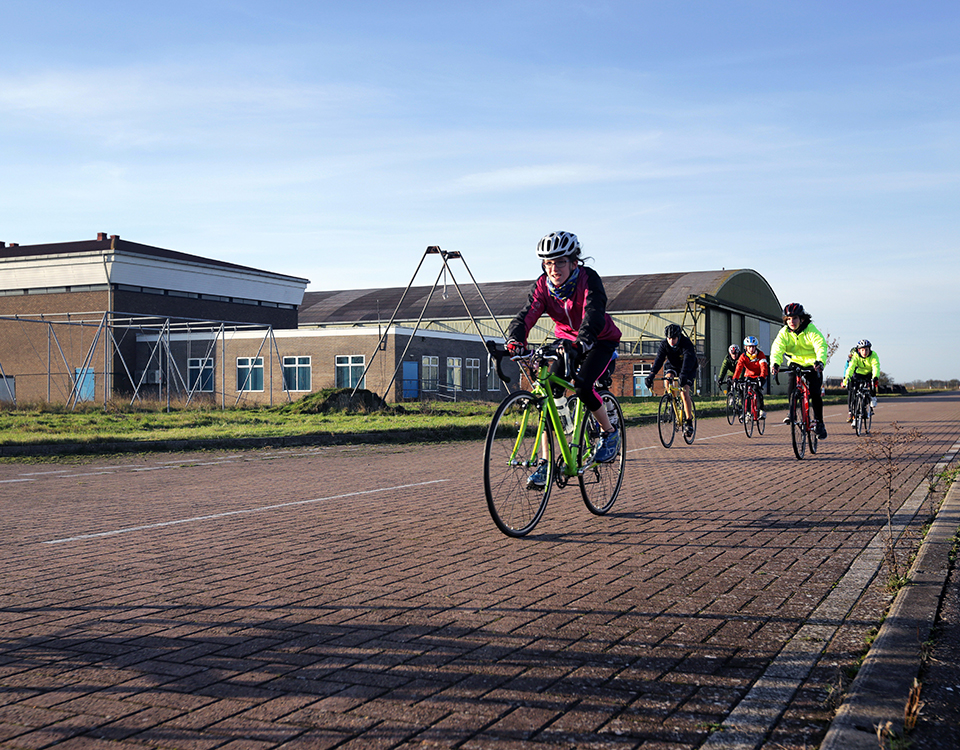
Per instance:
(751,407)
(802,428)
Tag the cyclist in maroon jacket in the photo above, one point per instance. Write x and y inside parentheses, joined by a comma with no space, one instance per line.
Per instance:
(573,296)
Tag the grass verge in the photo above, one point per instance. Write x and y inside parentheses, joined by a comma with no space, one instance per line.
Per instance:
(320,418)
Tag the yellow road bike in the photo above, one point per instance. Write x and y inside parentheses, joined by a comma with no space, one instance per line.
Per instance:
(672,415)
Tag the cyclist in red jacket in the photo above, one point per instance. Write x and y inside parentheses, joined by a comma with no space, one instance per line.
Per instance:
(753,365)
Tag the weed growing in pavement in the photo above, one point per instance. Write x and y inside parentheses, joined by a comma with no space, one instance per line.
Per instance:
(914,705)
(889,739)
(884,450)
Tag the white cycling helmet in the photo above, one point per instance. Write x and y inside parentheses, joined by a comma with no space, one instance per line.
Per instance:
(558,245)
(751,341)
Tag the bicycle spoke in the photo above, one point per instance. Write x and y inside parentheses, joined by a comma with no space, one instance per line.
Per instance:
(666,422)
(600,483)
(797,430)
(692,417)
(511,454)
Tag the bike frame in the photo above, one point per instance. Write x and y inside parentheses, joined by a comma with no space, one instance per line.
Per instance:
(750,399)
(542,390)
(679,410)
(803,387)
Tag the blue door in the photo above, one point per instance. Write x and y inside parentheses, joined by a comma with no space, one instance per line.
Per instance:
(411,379)
(86,383)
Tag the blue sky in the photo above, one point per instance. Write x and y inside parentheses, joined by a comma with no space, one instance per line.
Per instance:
(814,142)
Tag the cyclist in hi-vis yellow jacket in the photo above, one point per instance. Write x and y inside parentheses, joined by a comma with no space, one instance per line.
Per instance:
(802,342)
(863,365)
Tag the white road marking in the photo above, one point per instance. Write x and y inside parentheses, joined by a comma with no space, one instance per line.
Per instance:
(237,512)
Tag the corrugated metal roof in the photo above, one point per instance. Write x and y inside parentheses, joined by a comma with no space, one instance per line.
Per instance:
(625,294)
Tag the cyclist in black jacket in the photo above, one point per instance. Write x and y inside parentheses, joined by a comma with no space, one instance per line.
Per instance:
(678,357)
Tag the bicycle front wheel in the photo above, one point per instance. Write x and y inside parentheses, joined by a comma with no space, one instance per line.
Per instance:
(688,436)
(731,405)
(600,483)
(666,422)
(858,414)
(512,453)
(797,426)
(749,413)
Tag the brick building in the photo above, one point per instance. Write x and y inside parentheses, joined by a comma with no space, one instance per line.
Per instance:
(105,318)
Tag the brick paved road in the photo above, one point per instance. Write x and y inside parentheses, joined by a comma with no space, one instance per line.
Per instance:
(362,598)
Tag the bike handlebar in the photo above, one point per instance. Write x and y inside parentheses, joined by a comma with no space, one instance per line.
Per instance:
(793,367)
(548,352)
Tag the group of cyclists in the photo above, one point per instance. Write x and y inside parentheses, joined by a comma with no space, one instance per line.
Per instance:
(573,296)
(805,345)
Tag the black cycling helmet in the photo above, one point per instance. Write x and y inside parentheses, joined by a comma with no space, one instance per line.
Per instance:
(558,245)
(794,309)
(672,331)
(864,344)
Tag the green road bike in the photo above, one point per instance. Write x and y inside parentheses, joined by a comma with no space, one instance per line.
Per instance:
(534,428)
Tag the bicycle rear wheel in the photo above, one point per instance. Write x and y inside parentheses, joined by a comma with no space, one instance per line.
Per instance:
(692,418)
(512,453)
(812,439)
(666,422)
(797,426)
(761,423)
(600,483)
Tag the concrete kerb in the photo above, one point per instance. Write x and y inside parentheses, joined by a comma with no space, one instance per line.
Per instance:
(894,659)
(881,691)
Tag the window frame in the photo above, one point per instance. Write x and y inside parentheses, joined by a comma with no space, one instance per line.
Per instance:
(430,363)
(350,367)
(471,374)
(253,365)
(204,367)
(301,364)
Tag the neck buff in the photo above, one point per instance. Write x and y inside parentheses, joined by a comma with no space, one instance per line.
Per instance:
(565,290)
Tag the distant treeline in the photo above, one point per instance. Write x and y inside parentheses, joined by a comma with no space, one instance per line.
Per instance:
(948,385)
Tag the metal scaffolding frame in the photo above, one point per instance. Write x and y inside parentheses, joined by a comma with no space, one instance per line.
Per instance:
(445,269)
(170,380)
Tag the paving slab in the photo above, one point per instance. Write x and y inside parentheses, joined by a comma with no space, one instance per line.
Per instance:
(360,596)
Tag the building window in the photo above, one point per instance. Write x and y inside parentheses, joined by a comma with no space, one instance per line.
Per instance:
(493,377)
(431,373)
(296,373)
(249,373)
(350,371)
(200,374)
(454,374)
(640,372)
(650,347)
(471,375)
